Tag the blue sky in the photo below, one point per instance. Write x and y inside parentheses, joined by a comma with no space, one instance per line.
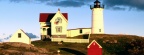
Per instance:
(119,18)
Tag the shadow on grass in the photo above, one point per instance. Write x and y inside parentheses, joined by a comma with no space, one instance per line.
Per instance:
(47,39)
(85,36)
(75,52)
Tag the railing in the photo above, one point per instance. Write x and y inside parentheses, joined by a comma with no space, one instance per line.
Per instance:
(100,6)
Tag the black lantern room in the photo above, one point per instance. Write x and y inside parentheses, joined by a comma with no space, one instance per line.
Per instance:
(97,4)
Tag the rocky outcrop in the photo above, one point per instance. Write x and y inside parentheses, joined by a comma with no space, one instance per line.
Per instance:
(16,48)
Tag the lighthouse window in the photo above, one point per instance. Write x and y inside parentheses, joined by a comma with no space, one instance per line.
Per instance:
(98,3)
(99,30)
(80,30)
(95,4)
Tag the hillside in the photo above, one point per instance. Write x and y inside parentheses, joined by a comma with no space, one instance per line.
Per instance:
(12,48)
(120,44)
(111,44)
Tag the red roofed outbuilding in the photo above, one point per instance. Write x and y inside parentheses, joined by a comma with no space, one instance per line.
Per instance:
(94,48)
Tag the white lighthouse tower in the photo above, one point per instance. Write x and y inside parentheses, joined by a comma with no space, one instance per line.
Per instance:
(97,18)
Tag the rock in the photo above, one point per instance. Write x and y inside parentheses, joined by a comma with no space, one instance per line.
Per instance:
(32,53)
(42,50)
(107,40)
(104,42)
(1,42)
(14,44)
(115,41)
(29,53)
(1,46)
(26,46)
(10,51)
(21,49)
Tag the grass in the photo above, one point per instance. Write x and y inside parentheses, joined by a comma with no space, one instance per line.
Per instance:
(111,45)
(65,48)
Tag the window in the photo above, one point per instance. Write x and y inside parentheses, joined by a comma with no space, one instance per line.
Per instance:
(98,3)
(44,29)
(58,28)
(99,30)
(48,23)
(80,30)
(19,35)
(59,20)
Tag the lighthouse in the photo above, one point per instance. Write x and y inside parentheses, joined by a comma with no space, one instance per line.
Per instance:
(97,18)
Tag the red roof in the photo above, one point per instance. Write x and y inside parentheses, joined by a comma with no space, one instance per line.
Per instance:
(46,17)
(94,48)
(45,26)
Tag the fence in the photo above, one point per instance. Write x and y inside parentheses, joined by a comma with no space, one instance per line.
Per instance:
(70,40)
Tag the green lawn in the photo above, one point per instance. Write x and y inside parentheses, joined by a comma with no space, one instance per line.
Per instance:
(65,48)
(111,44)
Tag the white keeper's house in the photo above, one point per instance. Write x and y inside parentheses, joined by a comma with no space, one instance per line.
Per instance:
(54,25)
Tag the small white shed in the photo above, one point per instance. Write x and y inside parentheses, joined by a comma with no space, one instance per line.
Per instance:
(20,36)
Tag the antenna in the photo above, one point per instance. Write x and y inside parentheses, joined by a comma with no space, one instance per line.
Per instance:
(58,9)
(103,6)
(90,6)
